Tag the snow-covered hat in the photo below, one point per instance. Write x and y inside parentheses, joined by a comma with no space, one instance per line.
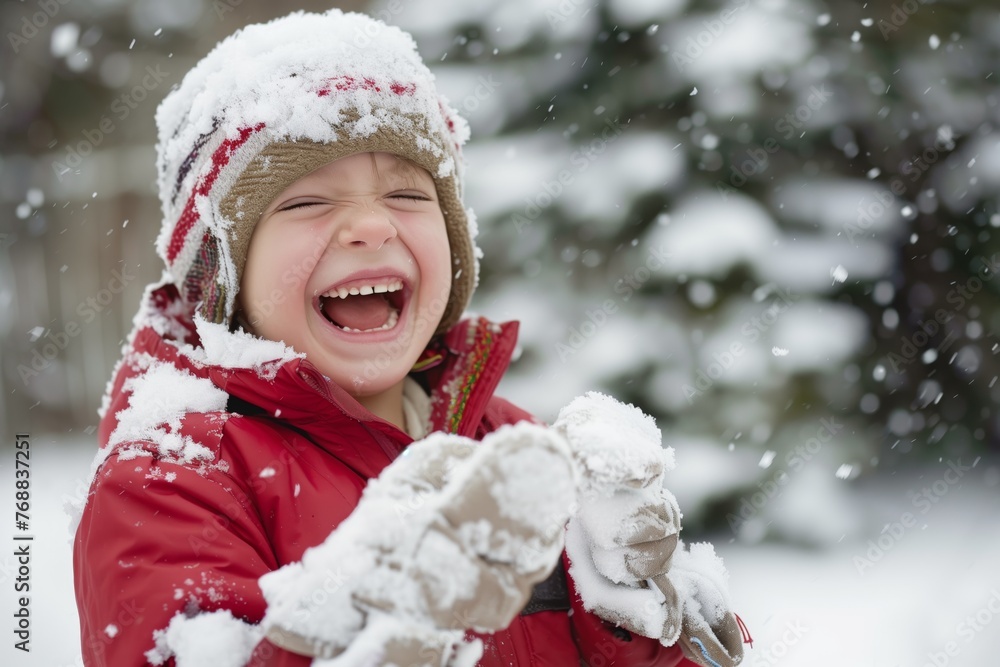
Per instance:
(275,101)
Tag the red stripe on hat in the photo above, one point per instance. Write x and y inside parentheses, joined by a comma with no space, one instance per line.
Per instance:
(220,158)
(345,82)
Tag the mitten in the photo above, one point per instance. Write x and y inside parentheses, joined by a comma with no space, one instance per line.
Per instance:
(451,536)
(623,542)
(710,633)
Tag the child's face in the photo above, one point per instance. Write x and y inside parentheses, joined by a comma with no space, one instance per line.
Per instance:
(366,222)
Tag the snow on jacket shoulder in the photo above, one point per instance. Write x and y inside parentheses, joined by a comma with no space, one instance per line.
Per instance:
(225,457)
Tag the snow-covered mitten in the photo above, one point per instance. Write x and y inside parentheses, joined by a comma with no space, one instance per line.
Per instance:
(623,540)
(710,635)
(453,535)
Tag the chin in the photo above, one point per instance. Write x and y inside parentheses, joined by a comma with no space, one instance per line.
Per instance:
(365,378)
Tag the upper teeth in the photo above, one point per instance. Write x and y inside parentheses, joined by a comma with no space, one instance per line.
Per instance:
(344,292)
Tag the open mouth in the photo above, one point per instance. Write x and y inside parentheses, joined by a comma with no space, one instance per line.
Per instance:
(364,307)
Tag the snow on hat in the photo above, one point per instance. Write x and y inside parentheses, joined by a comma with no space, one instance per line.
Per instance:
(275,101)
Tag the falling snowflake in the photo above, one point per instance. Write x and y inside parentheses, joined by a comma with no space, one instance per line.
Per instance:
(766,459)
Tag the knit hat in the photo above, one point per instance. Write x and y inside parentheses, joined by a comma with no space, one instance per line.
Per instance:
(272,103)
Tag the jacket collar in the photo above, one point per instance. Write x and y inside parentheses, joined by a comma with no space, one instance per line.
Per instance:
(460,369)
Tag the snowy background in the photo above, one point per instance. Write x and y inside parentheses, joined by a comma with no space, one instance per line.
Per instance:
(772,224)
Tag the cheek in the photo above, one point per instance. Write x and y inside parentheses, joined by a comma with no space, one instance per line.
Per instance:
(289,261)
(275,268)
(435,248)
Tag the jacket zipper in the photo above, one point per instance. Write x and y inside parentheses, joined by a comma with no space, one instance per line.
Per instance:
(308,375)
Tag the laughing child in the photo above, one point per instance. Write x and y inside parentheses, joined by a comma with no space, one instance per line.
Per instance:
(302,458)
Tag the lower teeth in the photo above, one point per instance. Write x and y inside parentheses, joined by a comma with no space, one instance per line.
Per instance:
(389,323)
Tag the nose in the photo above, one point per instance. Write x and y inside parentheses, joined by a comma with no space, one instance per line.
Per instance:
(366,229)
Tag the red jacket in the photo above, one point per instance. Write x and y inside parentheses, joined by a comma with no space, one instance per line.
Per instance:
(160,536)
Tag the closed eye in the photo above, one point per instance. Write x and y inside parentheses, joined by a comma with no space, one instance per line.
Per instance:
(301,204)
(410,195)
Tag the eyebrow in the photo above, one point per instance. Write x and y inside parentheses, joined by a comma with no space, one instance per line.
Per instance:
(400,168)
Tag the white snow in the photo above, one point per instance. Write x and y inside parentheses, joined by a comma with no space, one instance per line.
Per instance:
(737,49)
(620,165)
(810,492)
(64,39)
(616,444)
(162,395)
(708,236)
(516,471)
(388,553)
(599,592)
(587,177)
(637,13)
(35,197)
(766,459)
(522,163)
(803,262)
(623,468)
(232,73)
(212,639)
(833,204)
(926,582)
(700,578)
(958,187)
(238,349)
(159,398)
(706,471)
(823,335)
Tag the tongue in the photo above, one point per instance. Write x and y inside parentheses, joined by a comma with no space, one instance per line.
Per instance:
(358,312)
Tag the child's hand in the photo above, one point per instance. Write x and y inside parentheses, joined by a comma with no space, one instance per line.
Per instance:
(628,562)
(451,536)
